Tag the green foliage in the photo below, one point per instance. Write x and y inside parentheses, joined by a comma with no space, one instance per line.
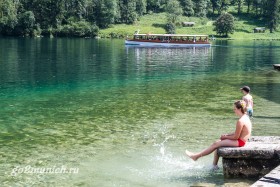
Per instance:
(173,11)
(8,16)
(170,28)
(48,13)
(27,25)
(75,8)
(141,7)
(215,5)
(155,23)
(156,5)
(104,12)
(272,14)
(200,8)
(248,4)
(187,6)
(223,5)
(128,11)
(150,23)
(224,24)
(27,19)
(77,29)
(47,17)
(239,5)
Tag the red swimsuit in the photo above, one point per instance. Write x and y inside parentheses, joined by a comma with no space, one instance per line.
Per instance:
(241,143)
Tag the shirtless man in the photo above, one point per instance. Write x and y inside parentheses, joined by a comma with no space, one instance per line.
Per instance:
(236,139)
(248,99)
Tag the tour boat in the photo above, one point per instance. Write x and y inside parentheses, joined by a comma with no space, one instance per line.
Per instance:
(169,40)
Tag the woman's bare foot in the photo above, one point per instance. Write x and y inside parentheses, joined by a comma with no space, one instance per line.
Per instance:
(191,155)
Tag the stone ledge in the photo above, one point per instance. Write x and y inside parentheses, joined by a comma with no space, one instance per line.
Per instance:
(258,157)
(254,150)
(267,139)
(264,147)
(248,168)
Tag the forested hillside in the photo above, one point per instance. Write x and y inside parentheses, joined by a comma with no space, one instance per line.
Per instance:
(84,18)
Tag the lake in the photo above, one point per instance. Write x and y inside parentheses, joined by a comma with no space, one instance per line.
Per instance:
(87,112)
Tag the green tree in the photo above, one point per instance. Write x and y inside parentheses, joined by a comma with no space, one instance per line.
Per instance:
(74,9)
(156,5)
(77,29)
(220,5)
(223,5)
(173,11)
(141,7)
(128,11)
(272,14)
(215,5)
(187,7)
(257,6)
(224,24)
(8,16)
(200,8)
(48,13)
(248,3)
(104,12)
(26,23)
(170,28)
(239,5)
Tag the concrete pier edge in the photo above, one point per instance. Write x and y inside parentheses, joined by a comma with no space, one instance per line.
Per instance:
(259,158)
(271,179)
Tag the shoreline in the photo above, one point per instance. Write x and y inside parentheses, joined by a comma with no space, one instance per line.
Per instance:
(98,37)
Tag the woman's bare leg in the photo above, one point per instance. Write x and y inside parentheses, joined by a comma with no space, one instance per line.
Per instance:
(211,148)
(216,158)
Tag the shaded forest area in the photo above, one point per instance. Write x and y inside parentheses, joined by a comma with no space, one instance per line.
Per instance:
(84,18)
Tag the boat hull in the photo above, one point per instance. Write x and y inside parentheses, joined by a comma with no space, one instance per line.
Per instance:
(165,44)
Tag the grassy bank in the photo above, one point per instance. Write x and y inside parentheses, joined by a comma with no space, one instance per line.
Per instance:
(154,23)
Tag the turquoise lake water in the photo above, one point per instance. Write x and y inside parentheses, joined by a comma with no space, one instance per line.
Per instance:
(123,116)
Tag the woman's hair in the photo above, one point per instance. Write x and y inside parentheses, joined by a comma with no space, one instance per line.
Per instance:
(241,105)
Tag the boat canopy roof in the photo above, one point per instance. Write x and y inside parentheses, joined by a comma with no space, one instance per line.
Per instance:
(174,35)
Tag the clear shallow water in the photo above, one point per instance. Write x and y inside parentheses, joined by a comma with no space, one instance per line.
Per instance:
(124,115)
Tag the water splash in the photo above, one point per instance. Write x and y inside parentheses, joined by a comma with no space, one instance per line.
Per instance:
(162,150)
